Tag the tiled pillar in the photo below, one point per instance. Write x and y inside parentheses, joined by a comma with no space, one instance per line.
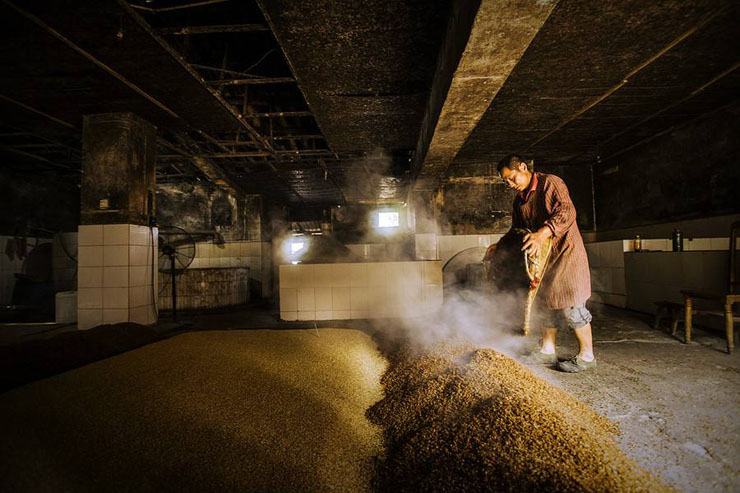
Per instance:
(114,278)
(117,256)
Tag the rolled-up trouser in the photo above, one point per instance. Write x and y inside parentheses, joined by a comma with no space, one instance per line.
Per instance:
(574,317)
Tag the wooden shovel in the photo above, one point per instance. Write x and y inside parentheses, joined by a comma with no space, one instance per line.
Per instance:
(535,266)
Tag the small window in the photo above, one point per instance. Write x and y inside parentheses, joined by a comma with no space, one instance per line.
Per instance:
(296,246)
(388,219)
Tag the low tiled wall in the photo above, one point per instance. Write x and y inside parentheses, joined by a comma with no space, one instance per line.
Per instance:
(378,252)
(606,261)
(450,245)
(360,290)
(660,276)
(611,284)
(254,255)
(205,288)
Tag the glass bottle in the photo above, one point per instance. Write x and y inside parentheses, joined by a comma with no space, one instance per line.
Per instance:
(677,240)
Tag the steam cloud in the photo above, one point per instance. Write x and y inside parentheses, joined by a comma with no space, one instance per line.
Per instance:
(484,319)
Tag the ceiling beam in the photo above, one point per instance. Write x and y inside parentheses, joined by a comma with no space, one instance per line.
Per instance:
(625,80)
(214,173)
(177,7)
(254,134)
(252,81)
(143,24)
(297,137)
(91,58)
(306,152)
(278,114)
(224,28)
(652,116)
(38,112)
(483,43)
(36,157)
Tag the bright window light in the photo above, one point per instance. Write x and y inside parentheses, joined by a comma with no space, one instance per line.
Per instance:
(388,219)
(296,246)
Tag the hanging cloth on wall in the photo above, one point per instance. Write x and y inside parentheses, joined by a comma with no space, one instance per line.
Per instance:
(16,248)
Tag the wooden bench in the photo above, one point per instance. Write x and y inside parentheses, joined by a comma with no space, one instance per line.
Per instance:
(728,300)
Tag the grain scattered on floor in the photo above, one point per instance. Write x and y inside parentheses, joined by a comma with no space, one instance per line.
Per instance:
(466,420)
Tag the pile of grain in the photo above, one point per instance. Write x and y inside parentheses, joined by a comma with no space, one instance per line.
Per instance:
(458,419)
(32,360)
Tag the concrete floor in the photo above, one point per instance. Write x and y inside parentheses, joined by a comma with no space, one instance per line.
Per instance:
(677,404)
(224,408)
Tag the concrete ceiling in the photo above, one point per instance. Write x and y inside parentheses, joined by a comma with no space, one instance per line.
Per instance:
(600,77)
(316,102)
(365,67)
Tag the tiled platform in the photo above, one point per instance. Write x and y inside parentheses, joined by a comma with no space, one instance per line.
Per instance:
(361,290)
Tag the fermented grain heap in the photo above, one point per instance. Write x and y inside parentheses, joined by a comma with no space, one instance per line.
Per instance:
(464,420)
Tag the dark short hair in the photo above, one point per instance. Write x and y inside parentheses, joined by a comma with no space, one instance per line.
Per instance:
(512,161)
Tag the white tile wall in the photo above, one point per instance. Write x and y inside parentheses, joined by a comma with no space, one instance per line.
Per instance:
(117,255)
(340,298)
(650,276)
(255,255)
(377,252)
(359,290)
(606,261)
(660,276)
(340,275)
(89,235)
(115,315)
(116,234)
(114,276)
(322,275)
(697,244)
(358,274)
(426,255)
(90,256)
(323,297)
(90,277)
(361,250)
(450,245)
(88,318)
(305,299)
(88,298)
(689,244)
(426,241)
(288,299)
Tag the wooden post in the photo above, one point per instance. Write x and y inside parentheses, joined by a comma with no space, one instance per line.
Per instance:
(729,328)
(687,322)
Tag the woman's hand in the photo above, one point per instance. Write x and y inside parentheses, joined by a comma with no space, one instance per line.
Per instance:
(533,241)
